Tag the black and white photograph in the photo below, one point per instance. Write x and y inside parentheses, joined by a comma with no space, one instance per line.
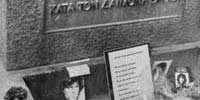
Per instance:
(73,89)
(100,49)
(55,86)
(182,78)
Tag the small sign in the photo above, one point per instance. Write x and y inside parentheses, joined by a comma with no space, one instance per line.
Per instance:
(129,73)
(80,70)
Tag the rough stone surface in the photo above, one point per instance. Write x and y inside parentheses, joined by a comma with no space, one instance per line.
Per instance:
(24,24)
(28,46)
(3,35)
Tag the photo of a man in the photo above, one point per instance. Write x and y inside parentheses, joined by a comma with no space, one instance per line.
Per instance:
(73,89)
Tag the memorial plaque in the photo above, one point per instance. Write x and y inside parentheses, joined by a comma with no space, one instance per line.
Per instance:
(78,14)
(129,73)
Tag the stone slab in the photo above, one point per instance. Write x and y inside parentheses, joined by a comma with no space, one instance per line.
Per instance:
(28,46)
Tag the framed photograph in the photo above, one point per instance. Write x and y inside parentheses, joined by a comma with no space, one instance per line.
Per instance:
(56,86)
(181,78)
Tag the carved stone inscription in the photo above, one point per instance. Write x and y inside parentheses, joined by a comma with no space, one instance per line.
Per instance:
(97,5)
(79,13)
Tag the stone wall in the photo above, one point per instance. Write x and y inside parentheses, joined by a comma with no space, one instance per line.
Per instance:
(28,45)
(3,35)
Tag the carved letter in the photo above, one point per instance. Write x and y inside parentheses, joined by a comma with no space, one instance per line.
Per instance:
(105,4)
(111,3)
(53,9)
(87,6)
(64,7)
(80,5)
(58,9)
(120,3)
(97,5)
(70,7)
(94,5)
(125,3)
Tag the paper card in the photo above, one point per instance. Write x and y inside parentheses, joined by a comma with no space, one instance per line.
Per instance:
(80,70)
(129,73)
